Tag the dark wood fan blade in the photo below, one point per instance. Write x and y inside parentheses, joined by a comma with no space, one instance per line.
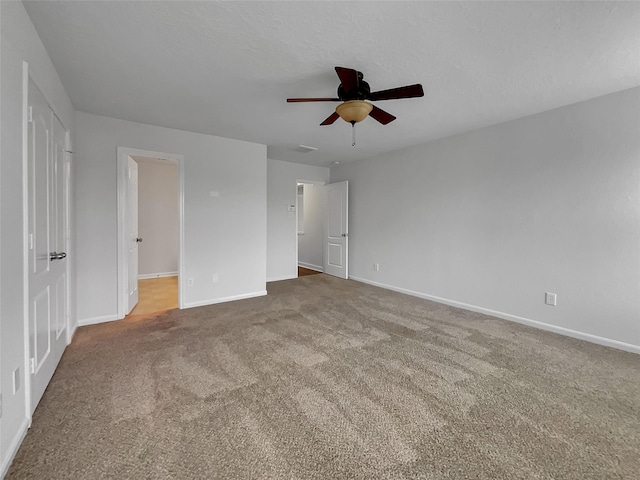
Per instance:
(381,116)
(348,78)
(332,118)
(410,91)
(327,99)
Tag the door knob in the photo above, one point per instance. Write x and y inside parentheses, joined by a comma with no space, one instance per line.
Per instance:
(344,234)
(61,255)
(53,256)
(139,240)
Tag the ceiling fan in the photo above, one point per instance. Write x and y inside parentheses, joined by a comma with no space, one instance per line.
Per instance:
(354,92)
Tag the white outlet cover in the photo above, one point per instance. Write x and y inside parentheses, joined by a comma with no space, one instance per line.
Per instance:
(214,277)
(214,194)
(550,298)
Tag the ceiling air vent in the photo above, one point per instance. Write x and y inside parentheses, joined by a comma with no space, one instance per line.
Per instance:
(305,149)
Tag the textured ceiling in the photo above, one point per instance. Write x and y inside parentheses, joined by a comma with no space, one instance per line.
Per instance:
(226,68)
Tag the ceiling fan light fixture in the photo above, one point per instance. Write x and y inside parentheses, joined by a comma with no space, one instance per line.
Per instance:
(354,111)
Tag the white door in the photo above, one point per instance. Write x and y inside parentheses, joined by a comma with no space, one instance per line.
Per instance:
(336,248)
(132,234)
(47,206)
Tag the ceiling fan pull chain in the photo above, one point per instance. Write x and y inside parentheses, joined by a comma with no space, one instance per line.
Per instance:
(353,134)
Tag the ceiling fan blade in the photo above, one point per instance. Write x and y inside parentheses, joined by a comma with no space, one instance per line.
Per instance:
(410,91)
(381,116)
(332,118)
(327,99)
(348,78)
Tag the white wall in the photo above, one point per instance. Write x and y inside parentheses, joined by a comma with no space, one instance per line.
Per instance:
(157,216)
(223,235)
(311,243)
(282,178)
(493,218)
(19,42)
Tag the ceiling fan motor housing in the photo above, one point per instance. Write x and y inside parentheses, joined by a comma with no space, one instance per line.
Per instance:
(361,92)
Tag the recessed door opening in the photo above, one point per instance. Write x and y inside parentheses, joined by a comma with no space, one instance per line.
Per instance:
(156,238)
(150,230)
(310,220)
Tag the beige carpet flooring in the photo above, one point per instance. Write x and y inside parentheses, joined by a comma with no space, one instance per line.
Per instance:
(332,379)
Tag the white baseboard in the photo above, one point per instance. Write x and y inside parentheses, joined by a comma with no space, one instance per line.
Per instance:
(607,342)
(145,276)
(283,277)
(213,301)
(310,266)
(13,447)
(72,332)
(94,320)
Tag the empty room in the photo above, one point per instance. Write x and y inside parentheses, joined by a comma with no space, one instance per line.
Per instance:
(320,240)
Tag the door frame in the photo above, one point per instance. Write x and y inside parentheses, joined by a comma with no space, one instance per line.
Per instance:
(28,75)
(312,182)
(122,154)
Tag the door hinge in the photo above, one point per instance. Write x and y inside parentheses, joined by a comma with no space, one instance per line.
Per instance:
(31,241)
(30,114)
(32,365)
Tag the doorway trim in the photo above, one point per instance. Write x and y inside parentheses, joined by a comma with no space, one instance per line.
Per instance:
(122,154)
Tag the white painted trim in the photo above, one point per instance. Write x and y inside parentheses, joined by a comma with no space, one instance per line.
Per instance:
(317,268)
(145,276)
(312,182)
(13,447)
(72,333)
(232,298)
(68,233)
(281,277)
(25,241)
(607,342)
(94,320)
(122,153)
(297,234)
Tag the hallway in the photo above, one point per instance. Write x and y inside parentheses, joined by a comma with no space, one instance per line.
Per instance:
(156,295)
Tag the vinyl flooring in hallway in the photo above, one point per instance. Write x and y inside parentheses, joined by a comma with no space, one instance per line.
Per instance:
(302,271)
(156,295)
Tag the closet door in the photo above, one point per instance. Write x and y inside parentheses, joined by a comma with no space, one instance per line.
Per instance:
(47,242)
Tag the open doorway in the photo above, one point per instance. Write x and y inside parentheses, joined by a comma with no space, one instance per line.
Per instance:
(310,221)
(150,226)
(158,231)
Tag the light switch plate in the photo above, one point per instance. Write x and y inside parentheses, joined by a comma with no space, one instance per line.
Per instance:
(16,380)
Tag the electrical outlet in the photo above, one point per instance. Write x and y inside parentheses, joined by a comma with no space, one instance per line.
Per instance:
(376,267)
(550,298)
(214,278)
(190,282)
